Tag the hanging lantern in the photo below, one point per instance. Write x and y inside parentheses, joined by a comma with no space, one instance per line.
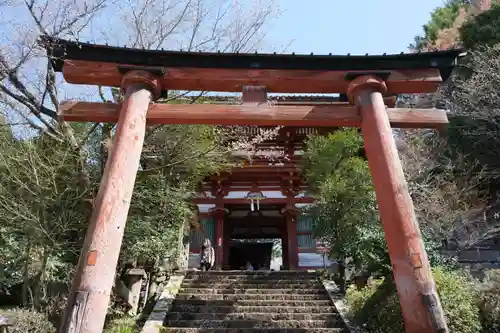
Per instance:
(255,197)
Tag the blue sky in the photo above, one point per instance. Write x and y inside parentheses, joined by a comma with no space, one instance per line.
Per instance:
(318,26)
(355,26)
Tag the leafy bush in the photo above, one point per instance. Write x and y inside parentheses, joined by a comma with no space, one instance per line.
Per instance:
(459,299)
(482,30)
(377,307)
(386,317)
(341,183)
(490,302)
(25,321)
(123,324)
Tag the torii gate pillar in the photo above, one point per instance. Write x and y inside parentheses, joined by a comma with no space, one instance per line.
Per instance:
(95,273)
(420,304)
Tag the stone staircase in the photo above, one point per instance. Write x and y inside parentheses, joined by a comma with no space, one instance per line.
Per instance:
(246,302)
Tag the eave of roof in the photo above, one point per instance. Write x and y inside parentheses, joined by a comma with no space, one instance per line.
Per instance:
(276,99)
(60,50)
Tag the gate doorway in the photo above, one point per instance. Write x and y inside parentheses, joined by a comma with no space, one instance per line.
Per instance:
(259,254)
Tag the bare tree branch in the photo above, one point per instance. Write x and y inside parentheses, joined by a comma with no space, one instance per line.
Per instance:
(446,187)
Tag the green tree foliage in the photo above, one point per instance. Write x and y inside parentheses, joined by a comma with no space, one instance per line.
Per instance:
(345,211)
(157,214)
(43,211)
(377,308)
(441,18)
(46,202)
(482,29)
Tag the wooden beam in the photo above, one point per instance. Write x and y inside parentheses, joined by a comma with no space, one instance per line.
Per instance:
(315,116)
(254,95)
(250,171)
(233,80)
(271,188)
(390,101)
(268,201)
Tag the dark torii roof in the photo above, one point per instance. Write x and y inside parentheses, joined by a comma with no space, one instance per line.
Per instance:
(61,50)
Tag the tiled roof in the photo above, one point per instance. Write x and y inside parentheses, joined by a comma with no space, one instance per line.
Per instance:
(221,99)
(73,50)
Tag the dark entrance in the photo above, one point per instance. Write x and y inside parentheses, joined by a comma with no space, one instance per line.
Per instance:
(258,254)
(251,235)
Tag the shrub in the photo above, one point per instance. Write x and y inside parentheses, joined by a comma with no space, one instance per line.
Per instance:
(489,303)
(386,317)
(123,324)
(377,308)
(25,321)
(459,299)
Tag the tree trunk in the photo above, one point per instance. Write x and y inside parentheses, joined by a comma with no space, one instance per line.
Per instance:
(342,279)
(26,275)
(105,145)
(40,278)
(70,136)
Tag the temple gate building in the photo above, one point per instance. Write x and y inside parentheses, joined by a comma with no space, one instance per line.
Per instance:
(264,201)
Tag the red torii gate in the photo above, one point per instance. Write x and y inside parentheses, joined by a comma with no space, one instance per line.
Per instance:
(144,75)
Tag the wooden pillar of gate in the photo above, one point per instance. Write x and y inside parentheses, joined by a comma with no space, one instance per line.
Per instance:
(291,247)
(218,215)
(95,273)
(420,304)
(291,230)
(284,247)
(226,246)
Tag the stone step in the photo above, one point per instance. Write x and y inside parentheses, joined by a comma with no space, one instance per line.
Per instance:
(262,297)
(276,303)
(253,323)
(254,285)
(245,281)
(208,278)
(245,291)
(190,308)
(255,316)
(255,330)
(255,273)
